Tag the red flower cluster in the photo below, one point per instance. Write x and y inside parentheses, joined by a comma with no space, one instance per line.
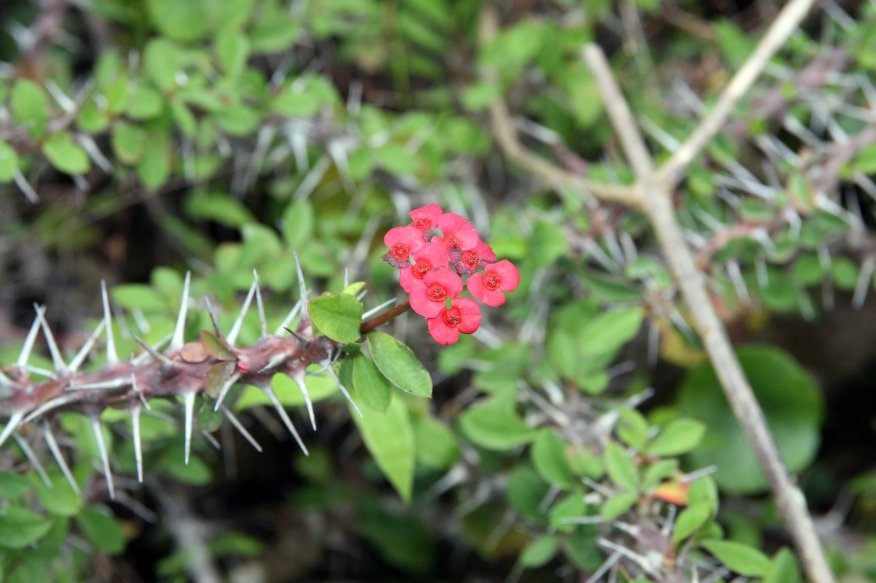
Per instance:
(434,253)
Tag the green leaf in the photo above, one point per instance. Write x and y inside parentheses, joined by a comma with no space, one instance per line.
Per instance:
(298,221)
(13,486)
(784,569)
(549,458)
(128,142)
(102,529)
(494,425)
(390,439)
(232,49)
(399,365)
(738,557)
(436,444)
(154,167)
(620,467)
(65,154)
(30,106)
(690,519)
(183,20)
(526,491)
(632,428)
(8,162)
(338,316)
(220,208)
(616,505)
(566,510)
(60,499)
(610,330)
(20,528)
(216,347)
(680,436)
(791,402)
(372,388)
(539,551)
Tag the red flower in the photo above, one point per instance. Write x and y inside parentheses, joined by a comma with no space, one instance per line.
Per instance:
(402,241)
(497,278)
(463,315)
(473,259)
(425,217)
(429,295)
(457,233)
(429,257)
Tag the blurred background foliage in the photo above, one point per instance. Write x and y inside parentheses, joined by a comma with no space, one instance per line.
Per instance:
(581,434)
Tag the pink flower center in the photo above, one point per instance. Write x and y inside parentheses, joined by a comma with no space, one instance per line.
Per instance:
(421,268)
(422,223)
(436,292)
(492,281)
(470,259)
(452,317)
(451,241)
(401,251)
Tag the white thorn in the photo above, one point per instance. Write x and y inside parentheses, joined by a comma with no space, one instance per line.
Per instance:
(150,350)
(48,406)
(865,280)
(302,286)
(275,360)
(259,304)
(59,458)
(138,444)
(212,314)
(101,386)
(291,316)
(33,459)
(13,422)
(225,388)
(137,390)
(237,425)
(86,348)
(211,439)
(57,360)
(343,389)
(153,352)
(284,417)
(300,381)
(40,371)
(5,380)
(104,456)
(235,330)
(30,339)
(179,331)
(189,403)
(378,309)
(111,355)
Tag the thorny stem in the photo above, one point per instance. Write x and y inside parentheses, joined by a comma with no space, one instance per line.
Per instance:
(395,312)
(658,202)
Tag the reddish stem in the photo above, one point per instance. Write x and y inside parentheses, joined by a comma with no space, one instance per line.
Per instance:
(369,325)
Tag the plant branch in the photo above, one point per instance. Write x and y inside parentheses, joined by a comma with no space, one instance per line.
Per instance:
(659,208)
(505,133)
(784,24)
(369,325)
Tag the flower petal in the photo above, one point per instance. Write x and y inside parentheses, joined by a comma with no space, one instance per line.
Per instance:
(470,313)
(510,276)
(441,332)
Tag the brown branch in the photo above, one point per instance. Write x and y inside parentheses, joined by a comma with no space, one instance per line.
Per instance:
(369,325)
(658,201)
(504,131)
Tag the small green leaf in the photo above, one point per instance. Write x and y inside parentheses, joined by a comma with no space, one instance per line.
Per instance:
(493,425)
(620,467)
(372,388)
(399,365)
(217,376)
(680,436)
(298,221)
(390,439)
(12,486)
(102,529)
(20,528)
(539,551)
(183,20)
(616,505)
(784,569)
(549,458)
(8,162)
(60,499)
(338,316)
(128,142)
(610,330)
(232,49)
(632,428)
(738,557)
(154,167)
(30,106)
(220,208)
(436,443)
(562,515)
(66,155)
(690,519)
